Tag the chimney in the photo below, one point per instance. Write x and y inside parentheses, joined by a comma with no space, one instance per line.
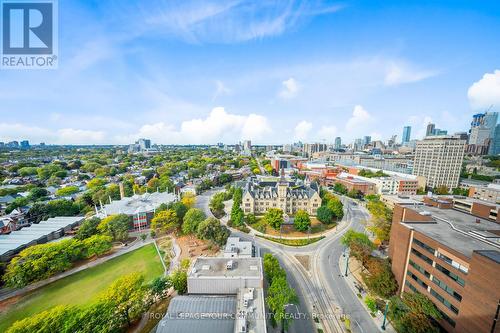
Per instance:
(122,191)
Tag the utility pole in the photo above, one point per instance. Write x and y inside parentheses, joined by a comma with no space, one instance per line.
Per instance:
(385,314)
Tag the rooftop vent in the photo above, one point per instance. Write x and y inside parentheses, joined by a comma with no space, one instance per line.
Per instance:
(205,267)
(229,264)
(254,268)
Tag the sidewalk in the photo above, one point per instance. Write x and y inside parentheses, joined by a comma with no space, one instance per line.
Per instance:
(352,282)
(9,293)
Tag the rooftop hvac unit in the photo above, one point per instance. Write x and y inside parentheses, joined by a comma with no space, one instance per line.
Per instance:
(425,213)
(229,265)
(205,267)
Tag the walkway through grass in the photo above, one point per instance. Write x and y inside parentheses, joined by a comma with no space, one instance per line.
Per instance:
(85,286)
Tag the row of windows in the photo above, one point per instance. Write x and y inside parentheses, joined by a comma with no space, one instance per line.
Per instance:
(421,256)
(451,275)
(446,288)
(420,269)
(444,301)
(424,246)
(416,278)
(453,263)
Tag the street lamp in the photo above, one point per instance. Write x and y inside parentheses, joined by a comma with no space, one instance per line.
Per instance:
(346,255)
(385,314)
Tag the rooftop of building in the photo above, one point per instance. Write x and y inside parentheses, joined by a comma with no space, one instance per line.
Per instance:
(234,244)
(250,311)
(138,203)
(19,238)
(199,313)
(458,230)
(226,267)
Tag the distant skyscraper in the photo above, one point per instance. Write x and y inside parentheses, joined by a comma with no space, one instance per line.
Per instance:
(406,134)
(367,139)
(25,144)
(144,144)
(482,132)
(338,142)
(430,129)
(247,145)
(495,142)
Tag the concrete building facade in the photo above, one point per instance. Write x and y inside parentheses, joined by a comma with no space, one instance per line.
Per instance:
(439,159)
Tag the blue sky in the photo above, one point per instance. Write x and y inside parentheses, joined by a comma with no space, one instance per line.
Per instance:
(273,72)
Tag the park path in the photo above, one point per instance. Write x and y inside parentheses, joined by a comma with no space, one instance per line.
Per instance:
(9,293)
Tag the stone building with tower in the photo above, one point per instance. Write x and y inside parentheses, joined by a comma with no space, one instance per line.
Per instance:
(260,194)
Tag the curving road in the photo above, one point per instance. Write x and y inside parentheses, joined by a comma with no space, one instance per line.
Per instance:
(321,290)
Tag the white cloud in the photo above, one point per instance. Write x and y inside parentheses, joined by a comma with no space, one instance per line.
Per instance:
(290,88)
(302,130)
(359,119)
(218,126)
(37,134)
(227,21)
(220,89)
(485,92)
(401,72)
(327,133)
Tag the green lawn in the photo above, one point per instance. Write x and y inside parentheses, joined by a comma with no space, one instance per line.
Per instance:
(84,286)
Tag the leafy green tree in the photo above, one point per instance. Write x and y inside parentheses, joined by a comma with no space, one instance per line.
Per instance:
(37,193)
(68,190)
(88,228)
(217,203)
(188,199)
(380,279)
(272,268)
(97,245)
(179,281)
(340,188)
(325,214)
(250,219)
(52,320)
(95,182)
(274,217)
(212,230)
(280,294)
(165,221)
(115,226)
(415,313)
(180,210)
(302,221)
(192,219)
(159,287)
(371,304)
(359,245)
(127,295)
(27,171)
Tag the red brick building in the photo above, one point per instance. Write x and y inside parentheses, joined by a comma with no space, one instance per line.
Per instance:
(451,256)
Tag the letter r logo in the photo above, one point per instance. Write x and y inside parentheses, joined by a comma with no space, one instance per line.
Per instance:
(27,27)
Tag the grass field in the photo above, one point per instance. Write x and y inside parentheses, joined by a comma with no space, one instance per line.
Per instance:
(83,287)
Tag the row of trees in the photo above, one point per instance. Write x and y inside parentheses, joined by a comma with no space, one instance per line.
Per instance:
(237,214)
(279,293)
(93,238)
(42,261)
(414,313)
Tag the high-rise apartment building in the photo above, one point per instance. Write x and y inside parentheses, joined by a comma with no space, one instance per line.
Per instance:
(247,145)
(482,132)
(310,148)
(406,134)
(367,140)
(495,142)
(338,142)
(430,129)
(439,159)
(449,252)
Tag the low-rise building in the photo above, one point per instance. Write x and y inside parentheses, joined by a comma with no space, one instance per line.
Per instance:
(285,194)
(451,256)
(490,192)
(237,248)
(354,184)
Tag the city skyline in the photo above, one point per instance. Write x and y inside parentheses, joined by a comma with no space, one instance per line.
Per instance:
(213,72)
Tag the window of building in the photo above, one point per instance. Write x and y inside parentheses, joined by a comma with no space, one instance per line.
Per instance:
(451,275)
(421,256)
(453,263)
(420,269)
(444,301)
(416,278)
(424,246)
(446,288)
(447,318)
